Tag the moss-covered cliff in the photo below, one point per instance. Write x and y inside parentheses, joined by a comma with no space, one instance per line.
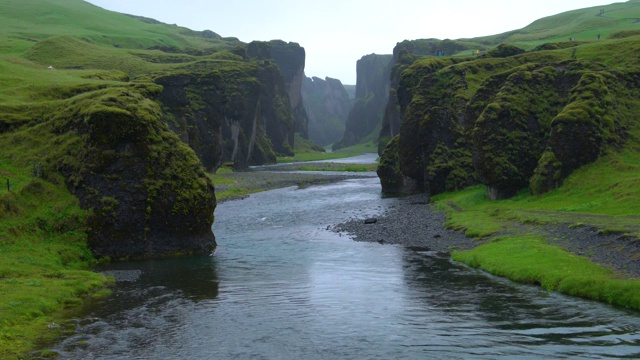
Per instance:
(229,111)
(406,53)
(372,93)
(290,58)
(328,106)
(146,190)
(506,119)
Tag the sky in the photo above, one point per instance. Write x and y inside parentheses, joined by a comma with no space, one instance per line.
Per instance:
(336,33)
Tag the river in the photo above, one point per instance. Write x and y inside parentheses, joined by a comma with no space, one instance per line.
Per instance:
(282,286)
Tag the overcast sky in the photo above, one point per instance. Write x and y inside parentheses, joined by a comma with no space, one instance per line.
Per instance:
(336,33)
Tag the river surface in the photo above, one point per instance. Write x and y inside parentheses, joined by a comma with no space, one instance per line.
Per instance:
(281,286)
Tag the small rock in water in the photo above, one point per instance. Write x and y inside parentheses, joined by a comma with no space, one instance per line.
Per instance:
(371,221)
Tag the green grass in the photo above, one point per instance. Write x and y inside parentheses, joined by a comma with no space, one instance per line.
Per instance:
(44,260)
(334,167)
(581,24)
(603,194)
(311,155)
(531,260)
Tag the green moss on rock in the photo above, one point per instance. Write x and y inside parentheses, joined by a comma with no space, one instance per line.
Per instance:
(147,189)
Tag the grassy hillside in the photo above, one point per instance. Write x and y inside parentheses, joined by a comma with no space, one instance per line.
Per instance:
(581,25)
(44,258)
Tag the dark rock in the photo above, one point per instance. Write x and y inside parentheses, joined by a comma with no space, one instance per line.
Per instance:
(290,58)
(528,124)
(372,93)
(147,190)
(418,248)
(328,105)
(371,221)
(230,114)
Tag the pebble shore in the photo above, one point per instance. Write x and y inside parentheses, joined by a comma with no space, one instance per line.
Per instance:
(413,223)
(410,222)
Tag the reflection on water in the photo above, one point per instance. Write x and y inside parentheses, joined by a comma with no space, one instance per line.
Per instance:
(281,286)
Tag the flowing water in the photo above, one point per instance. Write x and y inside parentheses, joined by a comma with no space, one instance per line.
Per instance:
(281,286)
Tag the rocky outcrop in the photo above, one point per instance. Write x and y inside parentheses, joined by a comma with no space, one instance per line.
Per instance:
(328,105)
(290,58)
(230,112)
(509,122)
(147,190)
(372,93)
(405,53)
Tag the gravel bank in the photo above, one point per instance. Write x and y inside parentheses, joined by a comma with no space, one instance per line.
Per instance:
(410,222)
(615,251)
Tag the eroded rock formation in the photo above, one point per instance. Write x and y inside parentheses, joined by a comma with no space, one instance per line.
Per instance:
(507,121)
(328,105)
(372,93)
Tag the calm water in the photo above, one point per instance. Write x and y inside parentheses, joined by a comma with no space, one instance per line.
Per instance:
(281,286)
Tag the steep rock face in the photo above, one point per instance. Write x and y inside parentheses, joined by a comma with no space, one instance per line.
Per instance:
(149,194)
(508,122)
(405,53)
(238,112)
(327,104)
(290,58)
(372,93)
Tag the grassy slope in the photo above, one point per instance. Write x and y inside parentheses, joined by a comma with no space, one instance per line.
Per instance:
(582,24)
(43,253)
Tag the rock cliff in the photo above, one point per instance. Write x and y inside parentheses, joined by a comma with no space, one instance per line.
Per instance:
(328,105)
(229,111)
(507,120)
(406,53)
(147,191)
(290,58)
(372,93)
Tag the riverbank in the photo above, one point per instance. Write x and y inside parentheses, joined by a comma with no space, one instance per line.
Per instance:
(412,223)
(577,260)
(240,184)
(416,223)
(45,265)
